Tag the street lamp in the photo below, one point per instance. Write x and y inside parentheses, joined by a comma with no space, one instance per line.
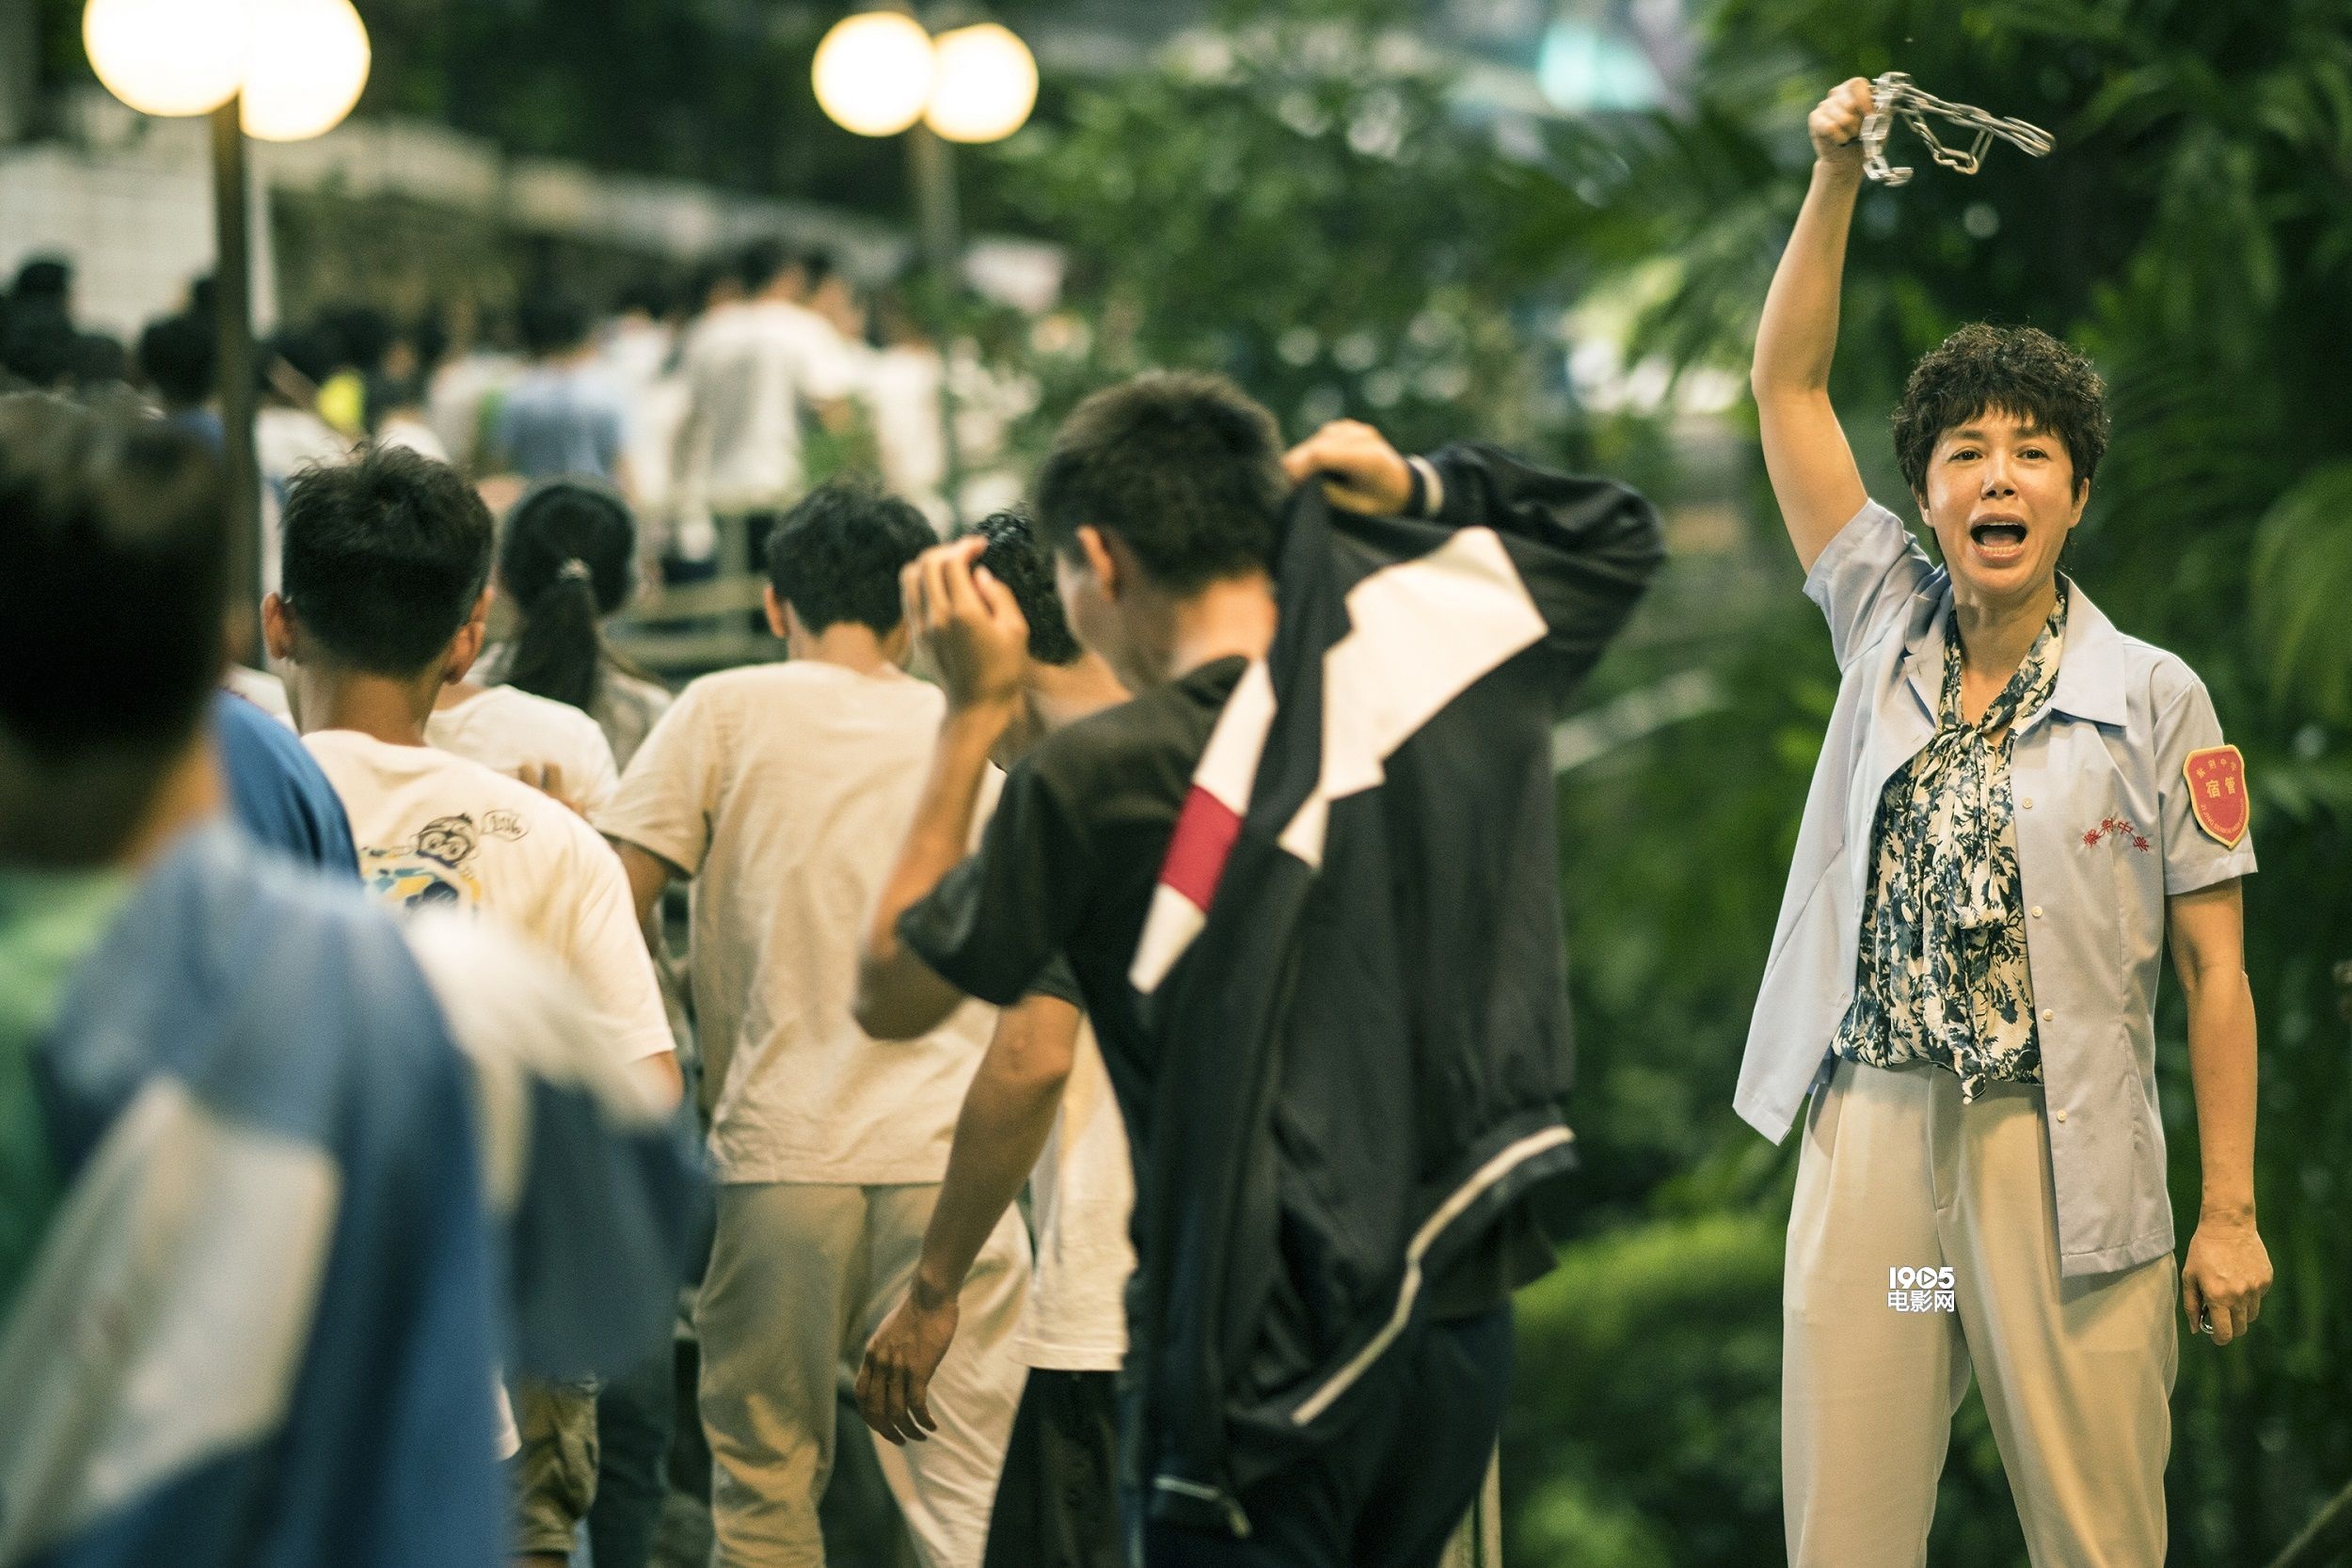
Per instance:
(986,85)
(167,57)
(278,69)
(878,73)
(304,67)
(873,73)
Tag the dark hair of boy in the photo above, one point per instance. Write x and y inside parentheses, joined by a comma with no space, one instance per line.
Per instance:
(360,335)
(836,556)
(176,354)
(567,560)
(762,263)
(384,558)
(1186,468)
(2018,371)
(707,279)
(815,267)
(114,540)
(1014,559)
(99,361)
(652,294)
(46,278)
(312,352)
(38,345)
(552,323)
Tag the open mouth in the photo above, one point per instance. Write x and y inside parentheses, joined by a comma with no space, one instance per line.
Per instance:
(1998,538)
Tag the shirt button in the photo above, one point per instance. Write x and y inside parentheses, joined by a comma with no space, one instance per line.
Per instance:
(2028,802)
(2037,912)
(2061,1114)
(2048,1016)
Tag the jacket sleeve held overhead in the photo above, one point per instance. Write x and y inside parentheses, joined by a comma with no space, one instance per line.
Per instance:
(1586,549)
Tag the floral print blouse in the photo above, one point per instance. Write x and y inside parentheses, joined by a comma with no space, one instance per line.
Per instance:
(1943,957)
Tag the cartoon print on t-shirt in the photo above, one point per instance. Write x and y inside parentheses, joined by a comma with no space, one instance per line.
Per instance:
(434,870)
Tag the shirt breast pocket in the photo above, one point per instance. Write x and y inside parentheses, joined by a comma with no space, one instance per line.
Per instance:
(2112,820)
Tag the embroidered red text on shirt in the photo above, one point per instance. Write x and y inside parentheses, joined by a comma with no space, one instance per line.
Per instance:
(2121,828)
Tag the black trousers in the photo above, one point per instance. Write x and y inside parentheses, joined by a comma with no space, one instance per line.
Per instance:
(1057,1501)
(1392,1493)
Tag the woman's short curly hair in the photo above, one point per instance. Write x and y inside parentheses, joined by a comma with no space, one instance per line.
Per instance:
(2018,371)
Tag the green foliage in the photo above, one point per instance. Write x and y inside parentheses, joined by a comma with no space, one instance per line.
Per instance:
(1294,202)
(1645,1431)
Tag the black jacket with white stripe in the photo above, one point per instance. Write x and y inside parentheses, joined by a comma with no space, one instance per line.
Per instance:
(1365,1048)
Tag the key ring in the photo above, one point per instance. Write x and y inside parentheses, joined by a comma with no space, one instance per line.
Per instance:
(1896,96)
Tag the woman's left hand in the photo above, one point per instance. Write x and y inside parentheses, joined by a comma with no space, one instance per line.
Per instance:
(2227,1274)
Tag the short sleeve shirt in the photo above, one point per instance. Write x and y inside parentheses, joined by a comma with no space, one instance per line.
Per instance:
(513,732)
(784,791)
(560,422)
(1068,863)
(2101,775)
(436,831)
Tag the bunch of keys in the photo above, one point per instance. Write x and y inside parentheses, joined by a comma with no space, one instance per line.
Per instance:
(1895,95)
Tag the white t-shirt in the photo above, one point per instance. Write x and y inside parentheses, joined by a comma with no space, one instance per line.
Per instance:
(785,790)
(1082,1193)
(437,830)
(750,369)
(511,732)
(902,390)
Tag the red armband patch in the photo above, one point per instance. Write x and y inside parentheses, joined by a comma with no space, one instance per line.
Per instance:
(2217,793)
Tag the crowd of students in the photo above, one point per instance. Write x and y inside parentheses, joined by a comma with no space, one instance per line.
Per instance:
(866,1149)
(1183,852)
(711,397)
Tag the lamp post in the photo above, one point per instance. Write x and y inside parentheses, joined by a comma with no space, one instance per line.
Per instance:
(274,69)
(879,73)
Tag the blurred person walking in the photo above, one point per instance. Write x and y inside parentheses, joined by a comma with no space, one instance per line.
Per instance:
(251,1281)
(778,790)
(557,745)
(905,380)
(758,373)
(2017,808)
(568,560)
(562,417)
(176,359)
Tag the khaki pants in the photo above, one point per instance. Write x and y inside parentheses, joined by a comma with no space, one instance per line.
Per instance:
(1897,1173)
(555,1470)
(801,1275)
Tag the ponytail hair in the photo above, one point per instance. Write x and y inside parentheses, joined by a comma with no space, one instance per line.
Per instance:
(568,560)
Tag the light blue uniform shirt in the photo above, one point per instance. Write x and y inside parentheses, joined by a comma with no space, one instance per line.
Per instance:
(2111,746)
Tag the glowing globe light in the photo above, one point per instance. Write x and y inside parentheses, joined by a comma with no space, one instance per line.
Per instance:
(167,57)
(986,86)
(305,61)
(873,73)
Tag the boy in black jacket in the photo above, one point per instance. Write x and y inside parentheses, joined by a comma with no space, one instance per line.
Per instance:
(1305,883)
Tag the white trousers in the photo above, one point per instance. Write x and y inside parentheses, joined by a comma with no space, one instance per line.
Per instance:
(801,1275)
(1898,1176)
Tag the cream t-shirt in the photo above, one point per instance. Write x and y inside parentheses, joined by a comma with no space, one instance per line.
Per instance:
(440,831)
(784,791)
(512,732)
(1081,1195)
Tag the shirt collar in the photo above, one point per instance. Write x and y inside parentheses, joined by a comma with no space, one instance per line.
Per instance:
(2090,681)
(2091,677)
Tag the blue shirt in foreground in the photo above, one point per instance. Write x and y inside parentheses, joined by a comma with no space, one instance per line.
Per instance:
(277,791)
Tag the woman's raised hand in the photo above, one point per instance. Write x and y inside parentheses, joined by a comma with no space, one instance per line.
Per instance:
(1835,123)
